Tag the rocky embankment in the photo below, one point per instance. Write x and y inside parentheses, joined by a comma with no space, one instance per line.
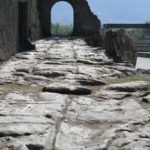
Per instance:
(61,97)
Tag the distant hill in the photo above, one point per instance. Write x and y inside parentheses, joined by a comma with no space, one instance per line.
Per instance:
(109,11)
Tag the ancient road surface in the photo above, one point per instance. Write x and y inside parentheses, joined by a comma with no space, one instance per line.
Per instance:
(58,98)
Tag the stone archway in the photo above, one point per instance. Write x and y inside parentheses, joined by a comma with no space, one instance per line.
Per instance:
(85,22)
(62,25)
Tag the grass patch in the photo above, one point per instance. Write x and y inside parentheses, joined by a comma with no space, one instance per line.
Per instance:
(128,79)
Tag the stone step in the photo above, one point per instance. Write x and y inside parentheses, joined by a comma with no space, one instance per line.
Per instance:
(142,48)
(143,54)
(142,44)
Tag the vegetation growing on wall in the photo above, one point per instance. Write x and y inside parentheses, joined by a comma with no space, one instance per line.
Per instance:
(58,29)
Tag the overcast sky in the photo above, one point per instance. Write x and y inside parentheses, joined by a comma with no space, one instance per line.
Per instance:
(108,11)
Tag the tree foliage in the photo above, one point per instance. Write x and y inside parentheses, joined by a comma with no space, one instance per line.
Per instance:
(141,34)
(58,29)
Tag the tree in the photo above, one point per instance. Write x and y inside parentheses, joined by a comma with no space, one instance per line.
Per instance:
(141,34)
(58,29)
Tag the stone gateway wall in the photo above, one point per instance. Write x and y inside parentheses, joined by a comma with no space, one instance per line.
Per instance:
(15,35)
(85,22)
(22,21)
(8,31)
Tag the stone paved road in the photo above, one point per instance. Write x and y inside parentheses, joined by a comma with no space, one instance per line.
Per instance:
(56,98)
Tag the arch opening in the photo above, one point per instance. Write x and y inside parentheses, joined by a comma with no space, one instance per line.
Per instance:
(62,19)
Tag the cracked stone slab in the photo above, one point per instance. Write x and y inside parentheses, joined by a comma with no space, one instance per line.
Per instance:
(88,110)
(107,94)
(147,98)
(130,86)
(67,89)
(49,104)
(48,67)
(91,82)
(37,135)
(98,72)
(29,120)
(92,124)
